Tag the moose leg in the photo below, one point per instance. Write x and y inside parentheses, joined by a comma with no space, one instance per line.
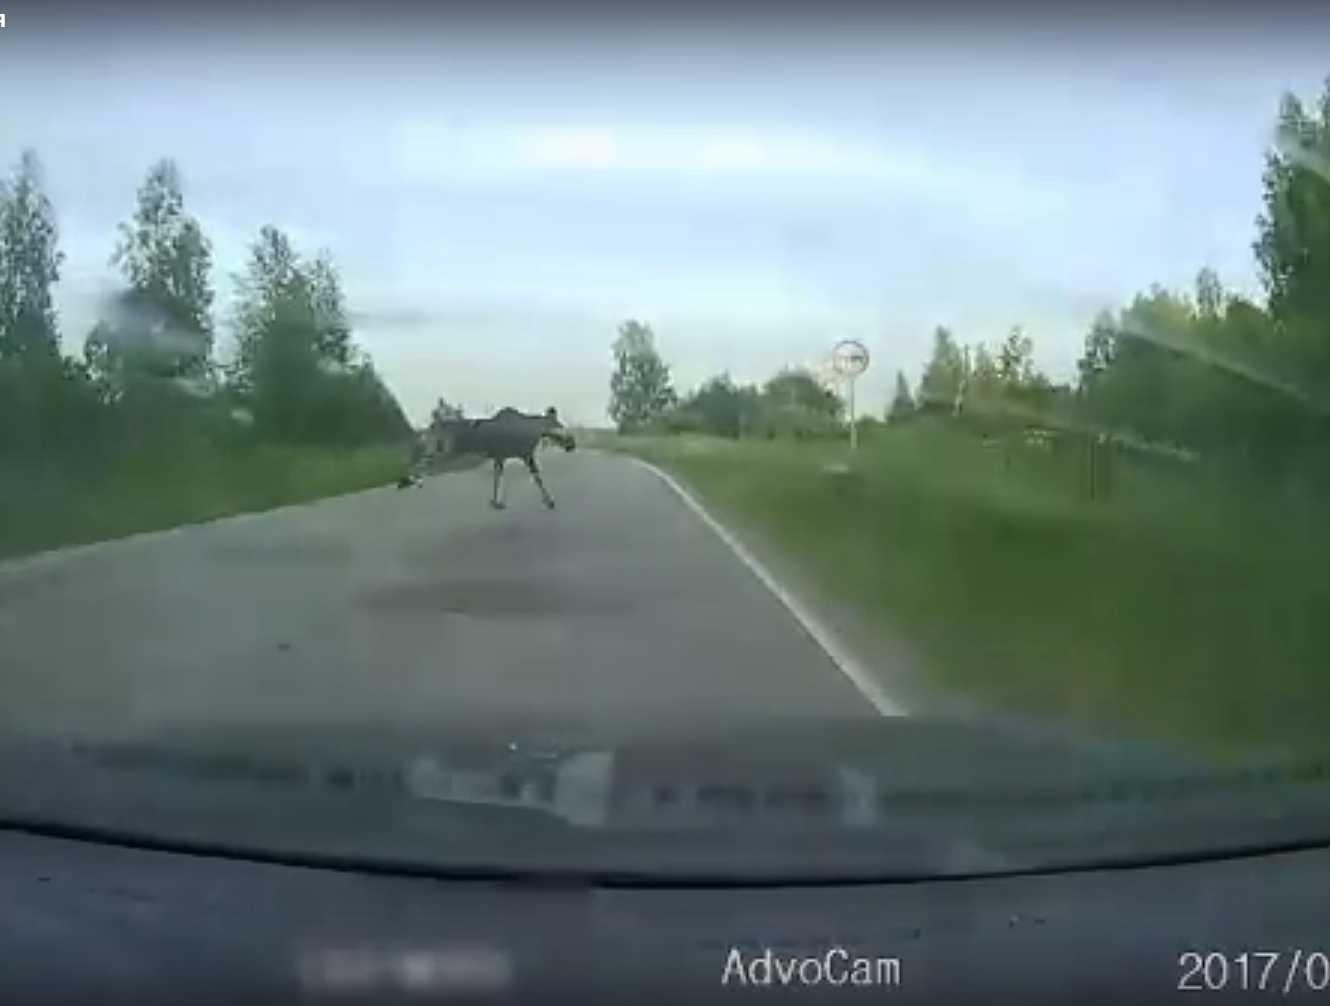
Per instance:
(496,500)
(531,466)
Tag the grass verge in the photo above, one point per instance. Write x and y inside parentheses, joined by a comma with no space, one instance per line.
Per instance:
(45,508)
(1180,609)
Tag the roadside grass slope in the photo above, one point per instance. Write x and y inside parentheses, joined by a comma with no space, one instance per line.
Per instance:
(45,507)
(1183,608)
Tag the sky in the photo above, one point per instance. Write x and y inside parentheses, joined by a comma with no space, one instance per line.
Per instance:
(500,194)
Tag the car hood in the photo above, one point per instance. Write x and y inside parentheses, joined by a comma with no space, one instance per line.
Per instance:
(850,801)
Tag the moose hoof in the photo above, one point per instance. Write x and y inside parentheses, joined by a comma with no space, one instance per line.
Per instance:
(495,504)
(549,504)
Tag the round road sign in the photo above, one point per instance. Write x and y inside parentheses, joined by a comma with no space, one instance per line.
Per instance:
(850,358)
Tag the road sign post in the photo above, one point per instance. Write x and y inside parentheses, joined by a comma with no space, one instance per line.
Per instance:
(850,359)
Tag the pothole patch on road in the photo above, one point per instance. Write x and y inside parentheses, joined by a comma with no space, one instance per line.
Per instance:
(497,598)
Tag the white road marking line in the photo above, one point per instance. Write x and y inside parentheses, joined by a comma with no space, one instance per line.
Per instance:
(851,668)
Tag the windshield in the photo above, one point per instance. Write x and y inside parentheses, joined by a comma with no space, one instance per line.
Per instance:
(911,431)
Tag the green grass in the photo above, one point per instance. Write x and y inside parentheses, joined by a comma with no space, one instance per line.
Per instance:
(1181,609)
(44,509)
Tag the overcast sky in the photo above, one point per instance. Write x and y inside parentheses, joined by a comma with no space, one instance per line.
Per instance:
(498,198)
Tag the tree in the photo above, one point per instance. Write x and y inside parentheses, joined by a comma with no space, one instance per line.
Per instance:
(444,410)
(985,381)
(268,281)
(275,275)
(284,374)
(1100,350)
(902,403)
(101,363)
(944,374)
(1293,231)
(296,361)
(794,403)
(718,406)
(798,389)
(167,261)
(1015,362)
(640,387)
(333,332)
(29,266)
(1140,392)
(1245,385)
(721,407)
(1209,294)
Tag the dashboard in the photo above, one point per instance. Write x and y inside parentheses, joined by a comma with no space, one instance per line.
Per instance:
(88,922)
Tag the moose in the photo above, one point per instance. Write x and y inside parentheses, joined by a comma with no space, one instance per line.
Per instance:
(507,434)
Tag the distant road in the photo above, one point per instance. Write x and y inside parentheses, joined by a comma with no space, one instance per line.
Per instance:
(620,611)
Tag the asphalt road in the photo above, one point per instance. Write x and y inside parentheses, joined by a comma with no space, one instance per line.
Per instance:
(620,612)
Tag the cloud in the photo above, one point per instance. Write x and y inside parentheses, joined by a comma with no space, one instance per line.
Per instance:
(432,148)
(584,147)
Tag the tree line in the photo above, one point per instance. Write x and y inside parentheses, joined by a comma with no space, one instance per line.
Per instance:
(1206,370)
(643,398)
(150,375)
(1217,372)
